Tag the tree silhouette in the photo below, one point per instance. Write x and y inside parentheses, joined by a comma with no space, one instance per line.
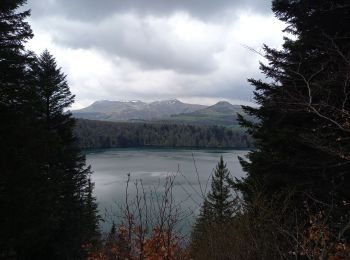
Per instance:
(219,200)
(217,209)
(73,207)
(302,128)
(18,196)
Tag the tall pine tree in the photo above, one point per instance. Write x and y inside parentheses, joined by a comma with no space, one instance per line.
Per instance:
(302,131)
(219,200)
(217,209)
(72,207)
(17,131)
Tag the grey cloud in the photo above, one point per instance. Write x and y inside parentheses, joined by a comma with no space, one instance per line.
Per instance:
(151,46)
(231,89)
(104,25)
(97,9)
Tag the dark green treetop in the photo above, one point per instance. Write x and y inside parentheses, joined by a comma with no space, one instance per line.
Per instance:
(218,206)
(52,88)
(217,210)
(219,200)
(14,33)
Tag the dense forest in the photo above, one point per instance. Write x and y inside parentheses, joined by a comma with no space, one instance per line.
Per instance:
(102,134)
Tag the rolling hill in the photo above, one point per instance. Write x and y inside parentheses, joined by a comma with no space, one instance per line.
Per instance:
(134,110)
(167,112)
(222,113)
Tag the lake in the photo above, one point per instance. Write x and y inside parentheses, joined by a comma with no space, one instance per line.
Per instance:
(191,168)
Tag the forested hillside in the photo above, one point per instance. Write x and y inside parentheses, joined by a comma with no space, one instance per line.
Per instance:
(222,113)
(101,134)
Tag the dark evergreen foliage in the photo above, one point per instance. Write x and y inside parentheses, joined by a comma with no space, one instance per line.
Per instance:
(219,200)
(17,196)
(47,207)
(217,210)
(68,189)
(302,133)
(101,134)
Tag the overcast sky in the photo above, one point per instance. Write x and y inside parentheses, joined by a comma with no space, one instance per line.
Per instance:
(192,50)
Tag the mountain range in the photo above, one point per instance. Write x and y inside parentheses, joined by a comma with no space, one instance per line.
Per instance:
(165,111)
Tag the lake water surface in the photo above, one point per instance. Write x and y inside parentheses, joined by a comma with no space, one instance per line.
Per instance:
(111,166)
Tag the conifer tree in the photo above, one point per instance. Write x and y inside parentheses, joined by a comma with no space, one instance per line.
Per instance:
(219,199)
(14,33)
(302,127)
(74,220)
(18,197)
(217,209)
